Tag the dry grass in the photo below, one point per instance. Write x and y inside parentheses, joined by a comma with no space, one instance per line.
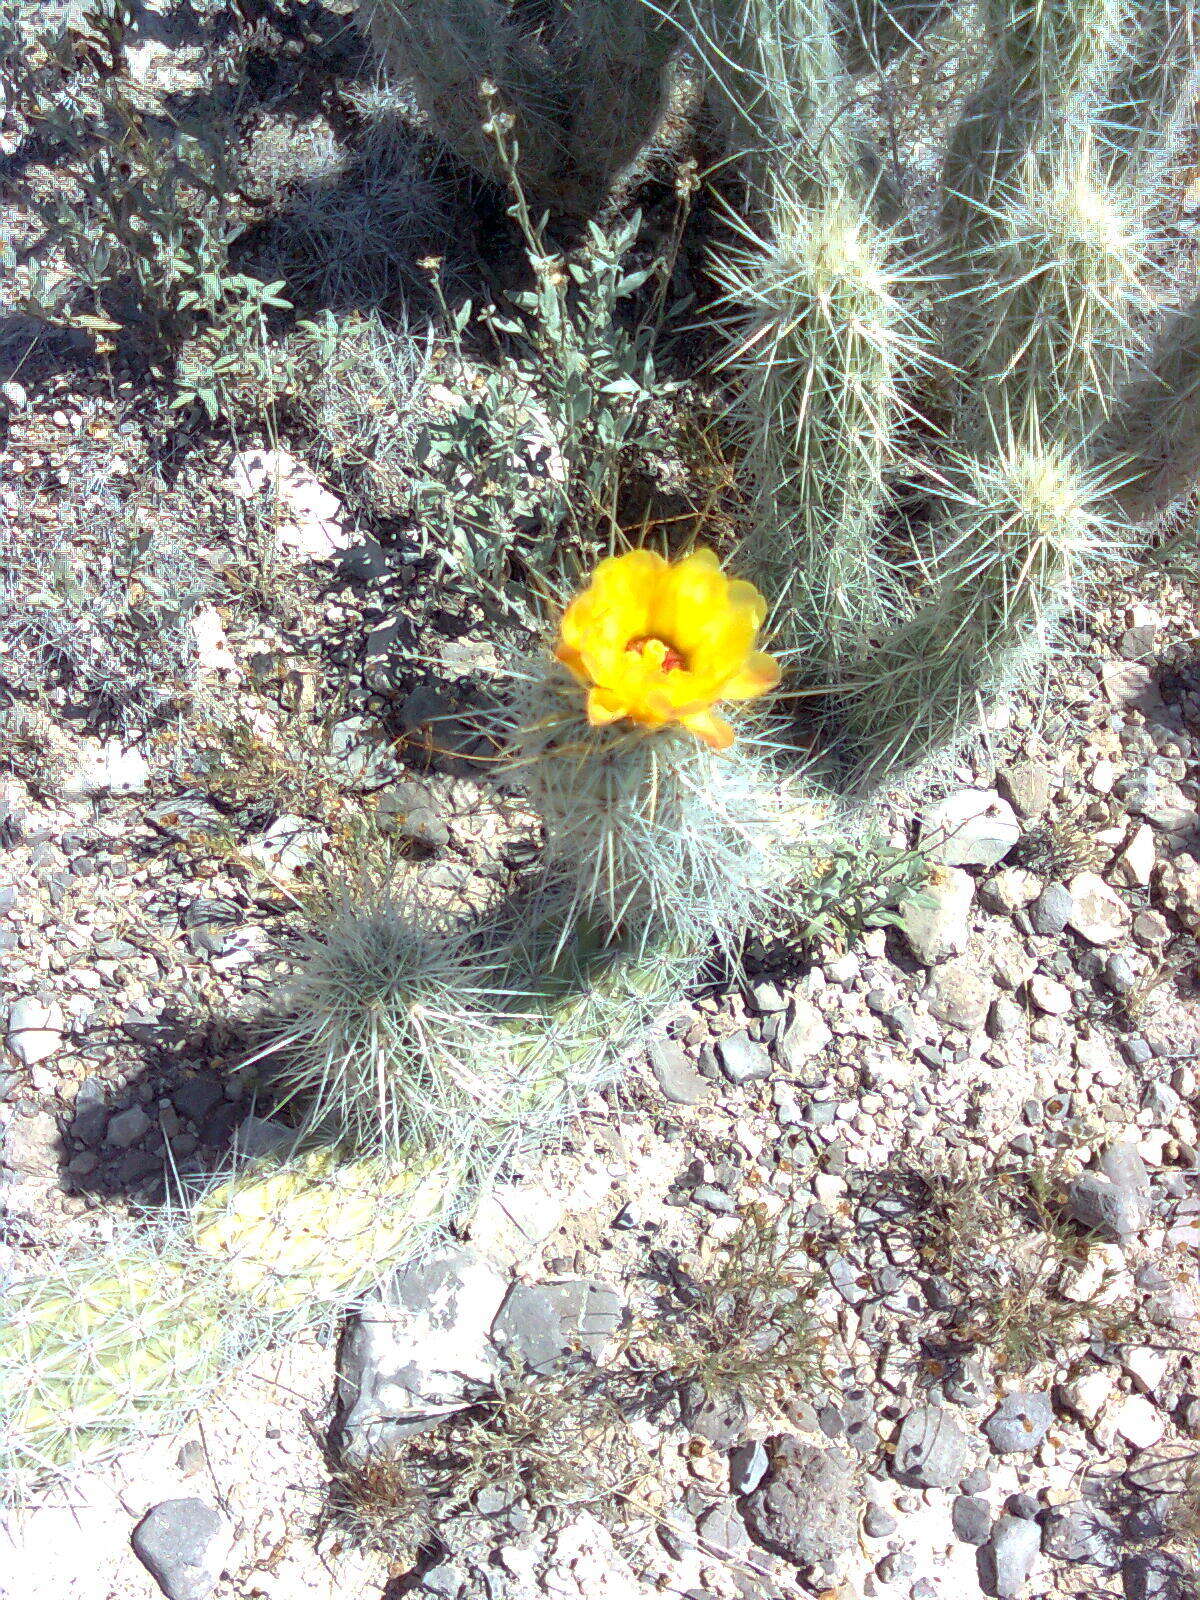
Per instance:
(740,1321)
(1001,1243)
(559,1443)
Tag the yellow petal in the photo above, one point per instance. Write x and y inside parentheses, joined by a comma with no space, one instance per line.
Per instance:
(743,594)
(573,661)
(604,707)
(713,730)
(688,600)
(757,675)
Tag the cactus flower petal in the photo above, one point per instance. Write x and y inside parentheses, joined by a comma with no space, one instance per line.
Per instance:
(657,642)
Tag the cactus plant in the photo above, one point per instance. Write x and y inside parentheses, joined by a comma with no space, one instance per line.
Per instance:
(584,81)
(901,627)
(102,1346)
(820,343)
(1028,526)
(1146,102)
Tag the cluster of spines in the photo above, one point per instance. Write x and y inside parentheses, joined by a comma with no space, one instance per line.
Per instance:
(583,82)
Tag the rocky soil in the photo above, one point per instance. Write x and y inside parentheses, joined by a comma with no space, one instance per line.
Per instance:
(875,1276)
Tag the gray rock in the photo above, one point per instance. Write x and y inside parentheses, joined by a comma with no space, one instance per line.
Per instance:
(1119,974)
(35,1030)
(184,1545)
(195,1097)
(968,1383)
(540,1324)
(1122,1164)
(1005,1017)
(960,995)
(718,1201)
(850,1281)
(767,998)
(748,1467)
(1083,1534)
(743,1059)
(1155,1575)
(259,1136)
(417,1349)
(127,1127)
(806,1509)
(1095,1201)
(971,1518)
(878,1523)
(1019,1422)
(932,1451)
(675,1075)
(723,1532)
(973,828)
(721,1419)
(806,1035)
(445,1580)
(1006,1561)
(1051,911)
(938,924)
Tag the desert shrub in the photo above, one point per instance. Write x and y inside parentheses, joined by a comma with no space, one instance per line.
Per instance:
(138,225)
(110,634)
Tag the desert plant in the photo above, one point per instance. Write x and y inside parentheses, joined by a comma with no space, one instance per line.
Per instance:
(582,80)
(523,463)
(1006,1297)
(737,1318)
(101,1345)
(902,628)
(137,232)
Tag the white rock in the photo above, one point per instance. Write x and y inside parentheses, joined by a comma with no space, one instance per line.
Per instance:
(939,928)
(1011,889)
(1087,1396)
(513,1221)
(289,844)
(1098,914)
(1145,1366)
(1136,862)
(1103,776)
(1049,995)
(34,1030)
(1081,1284)
(973,828)
(212,652)
(108,768)
(1138,1422)
(419,1348)
(310,518)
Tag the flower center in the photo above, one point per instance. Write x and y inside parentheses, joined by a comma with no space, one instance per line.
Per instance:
(657,653)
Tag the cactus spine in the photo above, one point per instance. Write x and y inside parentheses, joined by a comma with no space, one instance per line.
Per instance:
(1028,526)
(584,81)
(1147,101)
(1152,442)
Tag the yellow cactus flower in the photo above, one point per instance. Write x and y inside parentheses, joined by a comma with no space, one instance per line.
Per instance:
(656,642)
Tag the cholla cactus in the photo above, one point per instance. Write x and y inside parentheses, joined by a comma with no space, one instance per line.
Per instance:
(94,1350)
(666,832)
(1039,318)
(1028,527)
(583,80)
(101,1347)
